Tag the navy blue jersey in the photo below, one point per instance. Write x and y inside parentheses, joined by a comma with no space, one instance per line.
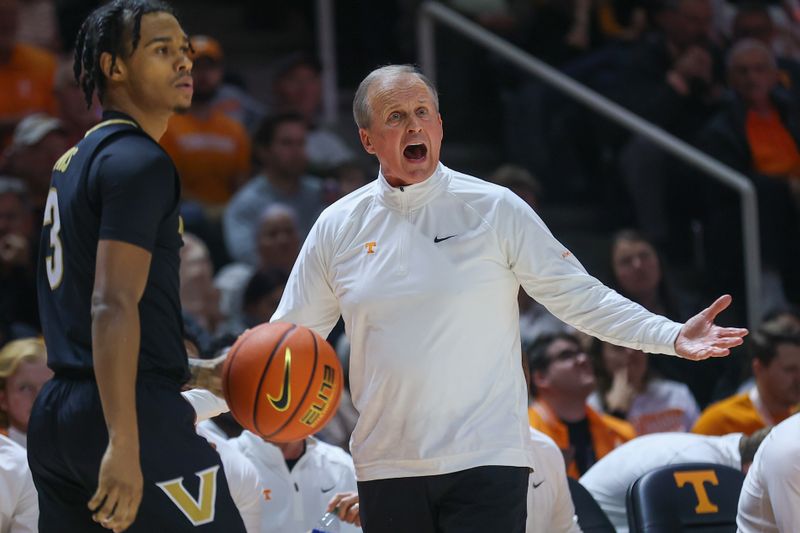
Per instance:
(115,184)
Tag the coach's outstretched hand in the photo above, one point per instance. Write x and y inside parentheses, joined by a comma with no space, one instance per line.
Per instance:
(119,489)
(700,339)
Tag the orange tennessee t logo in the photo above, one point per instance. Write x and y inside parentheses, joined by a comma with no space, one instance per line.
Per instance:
(370,246)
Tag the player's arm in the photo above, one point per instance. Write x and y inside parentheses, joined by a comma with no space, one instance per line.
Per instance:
(120,279)
(134,183)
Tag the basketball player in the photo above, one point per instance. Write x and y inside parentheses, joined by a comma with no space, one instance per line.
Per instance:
(770,499)
(424,265)
(111,430)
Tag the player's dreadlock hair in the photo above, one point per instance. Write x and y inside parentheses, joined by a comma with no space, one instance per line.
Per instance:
(106,30)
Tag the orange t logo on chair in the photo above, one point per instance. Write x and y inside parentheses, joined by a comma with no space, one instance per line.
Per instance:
(696,479)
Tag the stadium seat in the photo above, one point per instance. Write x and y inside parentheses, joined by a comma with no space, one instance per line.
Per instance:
(699,497)
(591,517)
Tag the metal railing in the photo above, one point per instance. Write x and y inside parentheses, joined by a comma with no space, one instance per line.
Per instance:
(431,12)
(326,49)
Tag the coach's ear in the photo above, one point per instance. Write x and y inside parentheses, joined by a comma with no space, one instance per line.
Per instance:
(112,68)
(3,401)
(366,142)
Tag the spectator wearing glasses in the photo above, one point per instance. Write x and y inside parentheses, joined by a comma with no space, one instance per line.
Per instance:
(561,381)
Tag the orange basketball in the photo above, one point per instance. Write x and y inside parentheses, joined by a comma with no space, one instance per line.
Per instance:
(282,381)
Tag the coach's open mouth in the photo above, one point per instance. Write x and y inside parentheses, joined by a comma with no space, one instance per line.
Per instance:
(415,151)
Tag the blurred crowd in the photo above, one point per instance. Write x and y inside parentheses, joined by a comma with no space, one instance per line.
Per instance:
(257,170)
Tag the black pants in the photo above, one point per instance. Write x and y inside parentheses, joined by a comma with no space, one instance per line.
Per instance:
(67,437)
(479,500)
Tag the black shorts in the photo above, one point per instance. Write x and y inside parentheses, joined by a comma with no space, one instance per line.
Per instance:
(487,498)
(67,438)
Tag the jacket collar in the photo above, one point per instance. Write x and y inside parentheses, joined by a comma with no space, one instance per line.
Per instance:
(413,196)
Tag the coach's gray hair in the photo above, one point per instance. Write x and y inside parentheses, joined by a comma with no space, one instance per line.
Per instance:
(362,112)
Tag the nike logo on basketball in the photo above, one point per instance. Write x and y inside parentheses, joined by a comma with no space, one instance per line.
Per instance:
(437,240)
(281,403)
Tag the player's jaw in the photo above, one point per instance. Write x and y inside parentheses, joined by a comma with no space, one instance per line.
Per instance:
(184,86)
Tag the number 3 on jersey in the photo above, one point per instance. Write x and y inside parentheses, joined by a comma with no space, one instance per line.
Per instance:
(55,261)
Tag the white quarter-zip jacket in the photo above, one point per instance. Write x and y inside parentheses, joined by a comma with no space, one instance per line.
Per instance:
(294,501)
(426,278)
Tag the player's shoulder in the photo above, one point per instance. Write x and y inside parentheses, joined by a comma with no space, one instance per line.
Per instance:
(131,151)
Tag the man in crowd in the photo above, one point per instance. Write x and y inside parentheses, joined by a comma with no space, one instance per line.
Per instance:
(562,380)
(424,264)
(776,394)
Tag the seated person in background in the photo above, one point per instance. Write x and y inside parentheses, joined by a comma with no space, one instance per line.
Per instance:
(280,147)
(39,140)
(298,480)
(211,150)
(257,299)
(608,480)
(344,179)
(627,389)
(277,243)
(18,306)
(76,118)
(19,503)
(23,372)
(26,74)
(770,498)
(638,272)
(298,89)
(199,297)
(561,381)
(775,350)
(754,21)
(757,134)
(229,99)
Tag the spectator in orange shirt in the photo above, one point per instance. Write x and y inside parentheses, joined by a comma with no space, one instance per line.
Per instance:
(228,98)
(298,89)
(561,381)
(26,74)
(210,149)
(776,368)
(757,134)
